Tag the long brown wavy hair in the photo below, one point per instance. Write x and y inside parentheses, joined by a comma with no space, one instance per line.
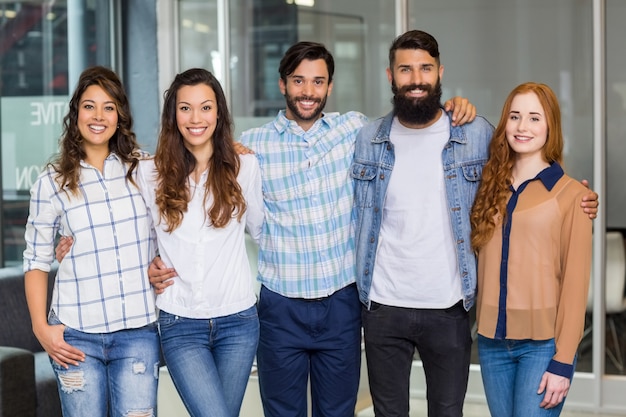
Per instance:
(493,192)
(123,142)
(174,162)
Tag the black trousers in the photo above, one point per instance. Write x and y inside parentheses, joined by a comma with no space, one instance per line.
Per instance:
(443,340)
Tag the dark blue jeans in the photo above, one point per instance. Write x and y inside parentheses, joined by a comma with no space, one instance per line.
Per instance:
(442,338)
(320,339)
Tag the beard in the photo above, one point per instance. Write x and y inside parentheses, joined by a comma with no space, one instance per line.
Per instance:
(416,111)
(292,104)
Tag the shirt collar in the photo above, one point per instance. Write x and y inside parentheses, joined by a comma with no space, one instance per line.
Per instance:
(110,157)
(282,123)
(550,176)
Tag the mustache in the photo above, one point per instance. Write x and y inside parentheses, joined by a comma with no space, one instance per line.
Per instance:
(406,88)
(307,98)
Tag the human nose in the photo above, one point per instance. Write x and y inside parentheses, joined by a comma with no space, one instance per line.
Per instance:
(416,77)
(195,118)
(307,89)
(98,113)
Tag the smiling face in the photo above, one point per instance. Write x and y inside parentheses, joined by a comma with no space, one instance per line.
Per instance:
(97,117)
(305,91)
(526,126)
(416,83)
(196,115)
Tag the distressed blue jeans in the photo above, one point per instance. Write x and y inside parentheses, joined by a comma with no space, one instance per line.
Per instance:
(511,372)
(118,378)
(210,360)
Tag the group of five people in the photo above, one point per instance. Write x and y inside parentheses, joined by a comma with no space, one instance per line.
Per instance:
(345,244)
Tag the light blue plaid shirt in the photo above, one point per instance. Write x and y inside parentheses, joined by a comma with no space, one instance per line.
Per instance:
(307,241)
(102,283)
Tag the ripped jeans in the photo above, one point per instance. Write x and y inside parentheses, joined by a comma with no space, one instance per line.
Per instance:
(119,377)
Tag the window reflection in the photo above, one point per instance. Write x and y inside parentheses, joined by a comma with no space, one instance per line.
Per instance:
(44,46)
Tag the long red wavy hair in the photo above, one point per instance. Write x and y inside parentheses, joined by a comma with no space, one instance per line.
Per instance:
(493,192)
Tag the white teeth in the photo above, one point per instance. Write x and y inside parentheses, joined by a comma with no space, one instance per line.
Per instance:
(196,130)
(97,128)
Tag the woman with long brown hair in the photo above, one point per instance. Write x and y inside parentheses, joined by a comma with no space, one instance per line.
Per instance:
(534,255)
(100,332)
(202,197)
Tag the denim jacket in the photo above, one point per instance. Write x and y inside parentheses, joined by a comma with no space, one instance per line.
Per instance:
(464,156)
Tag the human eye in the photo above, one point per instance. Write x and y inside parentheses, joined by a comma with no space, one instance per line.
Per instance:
(109,108)
(206,108)
(513,117)
(87,106)
(318,82)
(183,107)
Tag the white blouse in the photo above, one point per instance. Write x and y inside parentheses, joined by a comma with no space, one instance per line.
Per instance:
(213,273)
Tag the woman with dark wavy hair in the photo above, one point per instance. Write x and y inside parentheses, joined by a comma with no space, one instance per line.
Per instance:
(534,257)
(202,196)
(100,332)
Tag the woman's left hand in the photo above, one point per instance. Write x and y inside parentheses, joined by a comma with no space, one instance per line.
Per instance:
(556,388)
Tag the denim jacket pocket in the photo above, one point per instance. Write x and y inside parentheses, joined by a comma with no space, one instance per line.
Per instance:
(364,185)
(473,172)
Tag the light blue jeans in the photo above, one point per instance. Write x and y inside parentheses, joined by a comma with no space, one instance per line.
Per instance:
(210,360)
(118,378)
(511,372)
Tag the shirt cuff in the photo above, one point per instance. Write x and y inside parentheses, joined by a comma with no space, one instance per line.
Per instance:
(562,369)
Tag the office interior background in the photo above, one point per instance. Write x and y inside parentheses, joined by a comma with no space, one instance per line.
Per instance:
(487,48)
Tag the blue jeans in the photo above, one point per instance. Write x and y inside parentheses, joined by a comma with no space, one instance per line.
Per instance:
(210,360)
(119,376)
(443,339)
(320,339)
(511,372)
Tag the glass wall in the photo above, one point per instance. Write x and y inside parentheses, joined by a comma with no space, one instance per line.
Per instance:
(615,342)
(260,31)
(45,45)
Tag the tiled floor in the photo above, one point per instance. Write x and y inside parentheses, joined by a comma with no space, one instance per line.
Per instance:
(418,409)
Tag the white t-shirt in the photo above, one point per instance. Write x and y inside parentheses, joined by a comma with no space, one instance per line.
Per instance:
(416,264)
(214,277)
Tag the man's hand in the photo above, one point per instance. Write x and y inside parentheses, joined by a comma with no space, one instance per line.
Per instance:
(51,339)
(590,202)
(556,388)
(241,149)
(160,275)
(65,243)
(462,110)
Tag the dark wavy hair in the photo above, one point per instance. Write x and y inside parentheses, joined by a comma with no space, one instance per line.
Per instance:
(174,162)
(123,142)
(310,51)
(414,39)
(493,192)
